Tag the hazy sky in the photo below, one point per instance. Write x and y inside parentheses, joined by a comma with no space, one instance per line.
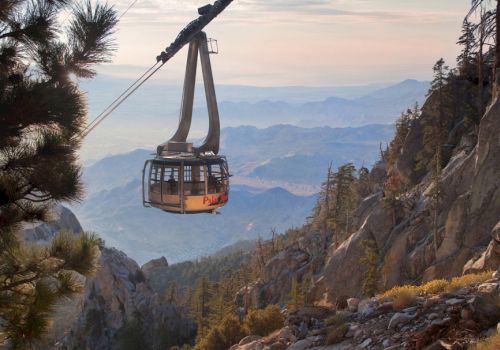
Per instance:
(297,42)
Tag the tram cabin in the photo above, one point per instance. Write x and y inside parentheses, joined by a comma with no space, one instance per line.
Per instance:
(186,185)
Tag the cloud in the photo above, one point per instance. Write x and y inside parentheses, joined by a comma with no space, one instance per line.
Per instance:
(177,12)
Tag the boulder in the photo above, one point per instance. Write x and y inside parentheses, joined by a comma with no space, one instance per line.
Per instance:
(249,339)
(352,304)
(366,307)
(301,344)
(255,345)
(399,318)
(152,266)
(365,343)
(277,346)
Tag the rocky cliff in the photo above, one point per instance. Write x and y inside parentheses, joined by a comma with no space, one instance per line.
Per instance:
(467,216)
(466,231)
(118,308)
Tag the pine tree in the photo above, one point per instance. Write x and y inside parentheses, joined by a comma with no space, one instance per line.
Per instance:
(345,201)
(172,293)
(42,113)
(369,260)
(485,30)
(465,59)
(364,182)
(434,137)
(325,209)
(200,308)
(403,125)
(489,22)
(295,297)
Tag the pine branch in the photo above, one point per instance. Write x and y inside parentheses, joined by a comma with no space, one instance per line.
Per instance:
(10,286)
(90,41)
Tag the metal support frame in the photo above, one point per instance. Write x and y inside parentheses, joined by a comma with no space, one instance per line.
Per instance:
(211,143)
(146,203)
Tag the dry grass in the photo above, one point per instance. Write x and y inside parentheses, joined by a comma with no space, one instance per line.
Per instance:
(471,279)
(401,292)
(491,343)
(409,292)
(434,287)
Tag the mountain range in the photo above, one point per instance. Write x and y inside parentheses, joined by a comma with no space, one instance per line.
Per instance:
(150,116)
(144,233)
(260,159)
(380,106)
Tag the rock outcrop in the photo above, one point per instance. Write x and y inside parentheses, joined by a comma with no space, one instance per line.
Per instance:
(119,306)
(298,262)
(62,219)
(467,215)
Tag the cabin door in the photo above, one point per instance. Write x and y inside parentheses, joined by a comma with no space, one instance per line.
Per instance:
(171,190)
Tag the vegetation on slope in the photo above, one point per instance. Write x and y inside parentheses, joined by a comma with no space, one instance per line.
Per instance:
(42,113)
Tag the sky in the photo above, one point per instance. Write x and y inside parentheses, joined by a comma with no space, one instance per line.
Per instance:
(296,42)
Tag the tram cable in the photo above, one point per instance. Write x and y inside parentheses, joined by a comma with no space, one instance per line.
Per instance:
(207,14)
(120,99)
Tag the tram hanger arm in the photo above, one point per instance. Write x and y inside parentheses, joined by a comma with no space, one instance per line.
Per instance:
(207,14)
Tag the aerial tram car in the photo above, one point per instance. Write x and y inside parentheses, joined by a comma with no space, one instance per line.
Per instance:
(181,178)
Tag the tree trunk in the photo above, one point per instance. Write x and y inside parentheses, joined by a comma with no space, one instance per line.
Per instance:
(327,209)
(436,200)
(497,52)
(480,69)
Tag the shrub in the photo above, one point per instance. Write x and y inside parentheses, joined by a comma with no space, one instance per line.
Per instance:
(401,292)
(295,297)
(336,334)
(263,322)
(214,340)
(232,330)
(404,296)
(131,337)
(435,287)
(370,277)
(228,332)
(336,319)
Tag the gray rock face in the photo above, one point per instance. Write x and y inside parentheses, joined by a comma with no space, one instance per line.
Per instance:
(490,257)
(119,303)
(153,266)
(398,319)
(296,262)
(468,219)
(63,219)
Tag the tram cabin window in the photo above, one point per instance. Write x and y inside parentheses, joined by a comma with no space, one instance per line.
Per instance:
(194,180)
(171,180)
(215,178)
(155,180)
